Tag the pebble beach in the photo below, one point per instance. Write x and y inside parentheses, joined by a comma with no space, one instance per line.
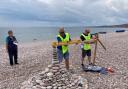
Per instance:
(36,56)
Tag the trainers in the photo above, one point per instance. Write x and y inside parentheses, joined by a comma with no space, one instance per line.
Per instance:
(11,64)
(92,64)
(82,65)
(16,63)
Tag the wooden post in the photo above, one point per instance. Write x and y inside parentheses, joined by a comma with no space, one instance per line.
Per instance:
(95,50)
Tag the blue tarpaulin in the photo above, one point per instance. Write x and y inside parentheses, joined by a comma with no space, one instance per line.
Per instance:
(95,68)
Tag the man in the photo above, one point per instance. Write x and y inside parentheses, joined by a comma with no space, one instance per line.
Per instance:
(12,48)
(86,48)
(62,51)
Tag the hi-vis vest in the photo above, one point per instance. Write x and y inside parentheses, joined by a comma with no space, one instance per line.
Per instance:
(87,38)
(64,48)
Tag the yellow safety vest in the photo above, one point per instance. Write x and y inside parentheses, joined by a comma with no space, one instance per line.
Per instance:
(64,48)
(87,38)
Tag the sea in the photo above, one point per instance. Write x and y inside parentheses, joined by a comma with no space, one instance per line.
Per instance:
(30,34)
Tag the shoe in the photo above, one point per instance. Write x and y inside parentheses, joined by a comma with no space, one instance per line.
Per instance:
(11,64)
(16,63)
(82,65)
(91,64)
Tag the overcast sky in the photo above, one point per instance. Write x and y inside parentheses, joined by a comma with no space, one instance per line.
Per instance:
(63,12)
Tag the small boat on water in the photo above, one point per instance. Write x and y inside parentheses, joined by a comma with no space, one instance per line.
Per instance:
(120,30)
(102,32)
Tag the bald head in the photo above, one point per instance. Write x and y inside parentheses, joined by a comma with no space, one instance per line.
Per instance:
(87,30)
(61,31)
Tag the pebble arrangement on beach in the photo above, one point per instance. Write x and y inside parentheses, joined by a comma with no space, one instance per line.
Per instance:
(56,76)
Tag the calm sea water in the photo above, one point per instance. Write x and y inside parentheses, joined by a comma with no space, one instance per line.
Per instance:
(45,33)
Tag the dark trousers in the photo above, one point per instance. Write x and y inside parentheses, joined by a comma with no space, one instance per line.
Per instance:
(13,54)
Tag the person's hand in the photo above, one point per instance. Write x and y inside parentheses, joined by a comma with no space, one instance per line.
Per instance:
(6,50)
(95,40)
(66,43)
(94,37)
(87,42)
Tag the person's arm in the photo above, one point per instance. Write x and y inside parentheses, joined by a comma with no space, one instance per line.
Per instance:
(82,38)
(70,39)
(58,39)
(15,39)
(91,36)
(6,44)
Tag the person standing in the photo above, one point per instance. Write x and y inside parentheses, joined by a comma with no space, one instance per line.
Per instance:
(86,48)
(62,51)
(12,48)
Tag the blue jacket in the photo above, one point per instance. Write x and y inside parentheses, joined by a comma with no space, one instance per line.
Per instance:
(10,42)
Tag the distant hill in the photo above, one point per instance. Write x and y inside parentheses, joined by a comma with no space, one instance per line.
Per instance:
(122,26)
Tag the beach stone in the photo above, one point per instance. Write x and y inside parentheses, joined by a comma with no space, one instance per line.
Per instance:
(55,87)
(55,68)
(43,87)
(49,66)
(60,88)
(38,81)
(64,87)
(46,70)
(50,74)
(42,84)
(49,87)
(54,71)
(42,73)
(34,87)
(55,62)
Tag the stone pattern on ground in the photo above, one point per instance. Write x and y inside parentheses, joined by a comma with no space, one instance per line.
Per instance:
(55,77)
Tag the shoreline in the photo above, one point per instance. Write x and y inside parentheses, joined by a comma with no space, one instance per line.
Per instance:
(43,40)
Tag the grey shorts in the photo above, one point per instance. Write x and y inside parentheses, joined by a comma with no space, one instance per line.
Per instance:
(60,55)
(86,52)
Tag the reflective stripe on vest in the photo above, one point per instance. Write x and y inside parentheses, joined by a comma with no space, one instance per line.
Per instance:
(64,48)
(87,38)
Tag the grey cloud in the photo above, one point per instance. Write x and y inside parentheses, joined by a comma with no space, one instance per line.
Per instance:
(81,12)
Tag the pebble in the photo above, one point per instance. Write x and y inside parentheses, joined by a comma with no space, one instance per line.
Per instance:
(50,74)
(42,73)
(43,87)
(49,66)
(55,68)
(46,70)
(49,87)
(38,81)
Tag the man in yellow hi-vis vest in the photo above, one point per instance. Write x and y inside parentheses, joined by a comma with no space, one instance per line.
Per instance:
(86,48)
(62,51)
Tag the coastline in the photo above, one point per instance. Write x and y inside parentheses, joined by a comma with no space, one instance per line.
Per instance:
(35,56)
